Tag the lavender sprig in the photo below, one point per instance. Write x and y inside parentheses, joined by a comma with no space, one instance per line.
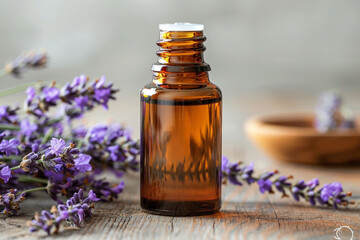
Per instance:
(32,149)
(105,191)
(75,211)
(57,158)
(8,147)
(9,202)
(110,146)
(329,195)
(8,114)
(331,114)
(27,60)
(58,185)
(78,97)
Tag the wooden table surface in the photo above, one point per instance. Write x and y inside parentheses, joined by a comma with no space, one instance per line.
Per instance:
(245,213)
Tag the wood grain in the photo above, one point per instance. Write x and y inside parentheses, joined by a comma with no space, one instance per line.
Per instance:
(246,214)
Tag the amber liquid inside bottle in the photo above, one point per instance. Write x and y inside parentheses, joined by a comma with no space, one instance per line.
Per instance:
(181,131)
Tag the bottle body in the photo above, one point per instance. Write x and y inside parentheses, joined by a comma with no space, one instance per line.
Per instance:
(181,117)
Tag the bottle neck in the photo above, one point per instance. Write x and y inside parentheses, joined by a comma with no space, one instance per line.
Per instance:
(180,59)
(184,79)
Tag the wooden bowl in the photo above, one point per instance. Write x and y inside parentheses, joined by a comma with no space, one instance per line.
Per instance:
(290,137)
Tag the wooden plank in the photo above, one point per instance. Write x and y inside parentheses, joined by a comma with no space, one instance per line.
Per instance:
(246,214)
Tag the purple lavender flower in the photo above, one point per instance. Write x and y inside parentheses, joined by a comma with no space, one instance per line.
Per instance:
(79,81)
(66,185)
(247,173)
(30,91)
(265,185)
(281,183)
(42,220)
(310,192)
(103,96)
(115,131)
(330,113)
(27,128)
(118,188)
(57,146)
(77,208)
(91,196)
(29,162)
(9,202)
(79,132)
(104,190)
(100,83)
(3,112)
(25,61)
(82,163)
(9,147)
(56,157)
(313,183)
(2,135)
(115,153)
(8,114)
(79,96)
(51,94)
(134,150)
(98,133)
(297,190)
(331,191)
(59,128)
(58,184)
(5,174)
(11,184)
(82,102)
(225,165)
(230,170)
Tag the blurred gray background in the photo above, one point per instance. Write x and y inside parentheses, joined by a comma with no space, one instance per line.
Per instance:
(265,55)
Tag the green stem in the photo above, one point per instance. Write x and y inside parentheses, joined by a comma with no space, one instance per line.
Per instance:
(48,135)
(11,157)
(9,127)
(80,143)
(14,168)
(33,190)
(38,161)
(55,120)
(25,178)
(15,89)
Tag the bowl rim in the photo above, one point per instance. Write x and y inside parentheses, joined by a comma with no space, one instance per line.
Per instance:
(259,123)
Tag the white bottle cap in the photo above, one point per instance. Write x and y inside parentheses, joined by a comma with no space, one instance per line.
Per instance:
(181,26)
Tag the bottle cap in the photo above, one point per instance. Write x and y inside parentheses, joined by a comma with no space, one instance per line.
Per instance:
(181,26)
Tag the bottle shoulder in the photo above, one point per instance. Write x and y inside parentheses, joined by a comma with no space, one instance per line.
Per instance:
(154,91)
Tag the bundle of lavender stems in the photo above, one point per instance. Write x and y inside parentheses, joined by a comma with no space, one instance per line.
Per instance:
(42,149)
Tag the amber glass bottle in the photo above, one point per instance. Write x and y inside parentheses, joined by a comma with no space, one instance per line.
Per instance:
(181,115)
